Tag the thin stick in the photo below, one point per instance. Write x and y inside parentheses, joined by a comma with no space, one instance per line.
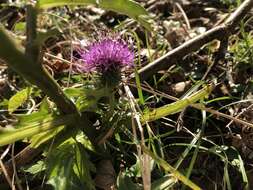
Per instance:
(198,106)
(4,170)
(238,115)
(184,16)
(61,59)
(14,170)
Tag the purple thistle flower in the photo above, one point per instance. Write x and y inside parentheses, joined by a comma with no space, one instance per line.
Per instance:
(107,55)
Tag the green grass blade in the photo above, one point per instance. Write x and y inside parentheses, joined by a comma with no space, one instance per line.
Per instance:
(186,151)
(243,172)
(137,77)
(168,168)
(129,8)
(226,177)
(196,151)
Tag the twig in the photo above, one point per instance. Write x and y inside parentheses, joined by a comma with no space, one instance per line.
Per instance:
(59,58)
(238,115)
(22,158)
(106,136)
(5,172)
(235,119)
(238,14)
(15,176)
(219,32)
(184,15)
(174,55)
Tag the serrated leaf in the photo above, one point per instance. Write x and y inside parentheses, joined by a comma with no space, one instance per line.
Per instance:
(37,140)
(62,172)
(31,119)
(73,171)
(83,166)
(90,93)
(18,99)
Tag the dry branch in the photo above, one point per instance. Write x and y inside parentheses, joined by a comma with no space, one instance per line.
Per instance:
(220,32)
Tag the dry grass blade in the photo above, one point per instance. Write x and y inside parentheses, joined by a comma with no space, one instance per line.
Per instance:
(144,158)
(4,170)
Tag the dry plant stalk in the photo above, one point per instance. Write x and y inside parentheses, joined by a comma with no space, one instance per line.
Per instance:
(144,158)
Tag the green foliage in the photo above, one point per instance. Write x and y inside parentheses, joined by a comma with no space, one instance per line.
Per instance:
(231,3)
(134,170)
(42,137)
(70,125)
(18,99)
(242,50)
(22,131)
(86,98)
(68,166)
(42,36)
(20,27)
(127,7)
(125,183)
(163,183)
(43,125)
(33,72)
(36,168)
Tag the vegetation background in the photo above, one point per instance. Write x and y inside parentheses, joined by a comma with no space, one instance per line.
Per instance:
(181,118)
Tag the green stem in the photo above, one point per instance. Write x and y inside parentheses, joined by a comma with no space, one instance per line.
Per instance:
(32,48)
(34,73)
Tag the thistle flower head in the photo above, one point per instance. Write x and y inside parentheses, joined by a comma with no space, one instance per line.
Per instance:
(107,55)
